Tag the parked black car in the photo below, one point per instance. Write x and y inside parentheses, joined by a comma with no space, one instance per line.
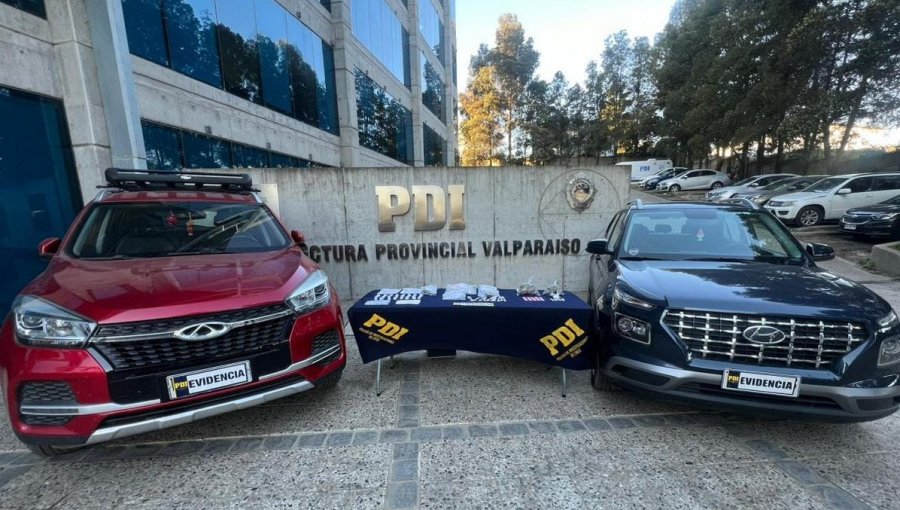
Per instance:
(650,183)
(881,220)
(720,305)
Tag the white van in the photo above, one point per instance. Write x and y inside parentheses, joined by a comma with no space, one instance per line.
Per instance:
(830,197)
(643,169)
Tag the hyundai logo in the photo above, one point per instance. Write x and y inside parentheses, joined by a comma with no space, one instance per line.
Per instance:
(202,331)
(764,335)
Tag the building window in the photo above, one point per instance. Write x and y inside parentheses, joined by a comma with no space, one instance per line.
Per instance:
(258,51)
(170,148)
(35,7)
(434,147)
(326,4)
(432,89)
(432,28)
(191,25)
(378,27)
(385,125)
(146,36)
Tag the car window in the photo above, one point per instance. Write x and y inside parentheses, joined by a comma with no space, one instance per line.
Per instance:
(745,181)
(706,172)
(886,183)
(158,229)
(615,231)
(708,234)
(892,201)
(828,184)
(859,185)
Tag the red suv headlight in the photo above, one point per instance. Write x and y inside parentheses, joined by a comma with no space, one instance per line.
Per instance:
(40,323)
(312,293)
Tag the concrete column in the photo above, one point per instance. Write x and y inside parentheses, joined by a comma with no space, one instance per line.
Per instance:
(415,72)
(345,82)
(116,82)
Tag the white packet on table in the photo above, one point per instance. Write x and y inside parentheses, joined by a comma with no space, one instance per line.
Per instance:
(430,290)
(454,295)
(487,291)
(465,288)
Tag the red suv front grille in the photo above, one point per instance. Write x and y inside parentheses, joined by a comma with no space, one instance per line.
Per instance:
(173,352)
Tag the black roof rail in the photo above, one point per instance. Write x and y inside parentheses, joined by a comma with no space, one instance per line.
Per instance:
(149,180)
(636,203)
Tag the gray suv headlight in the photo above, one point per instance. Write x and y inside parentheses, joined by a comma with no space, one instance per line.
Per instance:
(311,294)
(40,323)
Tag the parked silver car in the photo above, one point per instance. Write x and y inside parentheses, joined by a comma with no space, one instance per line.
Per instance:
(762,195)
(749,184)
(695,179)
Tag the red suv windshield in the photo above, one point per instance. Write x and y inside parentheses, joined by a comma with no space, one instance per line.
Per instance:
(165,229)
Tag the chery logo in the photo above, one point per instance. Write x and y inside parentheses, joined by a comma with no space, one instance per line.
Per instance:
(202,331)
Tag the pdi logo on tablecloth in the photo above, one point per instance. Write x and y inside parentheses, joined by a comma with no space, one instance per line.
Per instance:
(568,337)
(386,331)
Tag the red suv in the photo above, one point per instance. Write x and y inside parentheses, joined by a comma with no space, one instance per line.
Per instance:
(173,297)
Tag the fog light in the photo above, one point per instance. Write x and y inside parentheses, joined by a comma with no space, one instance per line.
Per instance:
(633,329)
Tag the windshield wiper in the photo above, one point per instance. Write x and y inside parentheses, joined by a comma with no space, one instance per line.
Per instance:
(201,251)
(111,257)
(720,259)
(632,257)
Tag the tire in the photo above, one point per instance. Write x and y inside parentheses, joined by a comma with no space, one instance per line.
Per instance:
(599,380)
(330,380)
(716,185)
(46,450)
(809,216)
(675,188)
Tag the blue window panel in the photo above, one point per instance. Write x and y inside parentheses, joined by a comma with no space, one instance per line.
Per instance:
(163,146)
(277,160)
(385,125)
(249,157)
(328,116)
(434,147)
(432,89)
(326,4)
(35,7)
(191,26)
(432,28)
(238,49)
(39,192)
(145,31)
(201,151)
(377,26)
(273,59)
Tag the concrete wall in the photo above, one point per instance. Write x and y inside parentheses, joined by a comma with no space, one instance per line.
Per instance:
(336,207)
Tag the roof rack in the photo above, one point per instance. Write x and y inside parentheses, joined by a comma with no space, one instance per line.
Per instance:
(148,180)
(637,203)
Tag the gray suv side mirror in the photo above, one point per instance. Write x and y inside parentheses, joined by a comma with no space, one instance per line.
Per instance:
(820,251)
(597,247)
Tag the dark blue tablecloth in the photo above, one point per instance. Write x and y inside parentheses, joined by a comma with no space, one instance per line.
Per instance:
(535,328)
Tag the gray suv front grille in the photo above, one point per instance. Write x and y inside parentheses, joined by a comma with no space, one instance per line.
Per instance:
(808,343)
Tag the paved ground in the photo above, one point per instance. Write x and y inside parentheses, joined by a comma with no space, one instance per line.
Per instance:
(475,431)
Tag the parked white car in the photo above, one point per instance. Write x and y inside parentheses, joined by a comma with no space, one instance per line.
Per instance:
(829,198)
(748,184)
(695,179)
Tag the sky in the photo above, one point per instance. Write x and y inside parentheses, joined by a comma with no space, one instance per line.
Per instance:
(567,34)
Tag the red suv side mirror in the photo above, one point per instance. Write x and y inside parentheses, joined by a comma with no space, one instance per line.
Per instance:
(48,248)
(298,237)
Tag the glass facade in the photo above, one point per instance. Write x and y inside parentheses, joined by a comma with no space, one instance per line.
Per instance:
(255,50)
(378,27)
(385,125)
(170,148)
(39,193)
(35,7)
(434,147)
(432,28)
(432,89)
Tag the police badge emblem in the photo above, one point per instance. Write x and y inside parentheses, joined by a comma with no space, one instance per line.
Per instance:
(580,193)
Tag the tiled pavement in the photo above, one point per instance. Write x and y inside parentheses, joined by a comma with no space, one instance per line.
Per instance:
(475,431)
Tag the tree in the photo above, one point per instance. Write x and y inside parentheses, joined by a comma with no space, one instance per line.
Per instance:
(514,61)
(480,127)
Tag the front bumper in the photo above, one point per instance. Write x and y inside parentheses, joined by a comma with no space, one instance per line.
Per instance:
(784,213)
(834,403)
(884,228)
(96,413)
